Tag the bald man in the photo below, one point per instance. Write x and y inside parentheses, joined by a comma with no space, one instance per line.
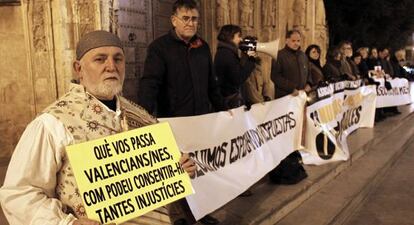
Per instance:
(39,188)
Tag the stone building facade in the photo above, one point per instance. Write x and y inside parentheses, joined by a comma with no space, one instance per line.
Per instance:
(38,42)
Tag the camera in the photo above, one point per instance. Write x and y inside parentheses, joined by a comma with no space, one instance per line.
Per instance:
(248,43)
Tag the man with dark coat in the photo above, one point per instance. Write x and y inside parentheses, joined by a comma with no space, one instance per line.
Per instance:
(384,54)
(384,59)
(290,74)
(397,61)
(178,77)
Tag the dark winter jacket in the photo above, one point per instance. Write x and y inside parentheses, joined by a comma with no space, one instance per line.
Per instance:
(332,70)
(399,71)
(231,71)
(316,74)
(354,67)
(178,78)
(346,67)
(290,71)
(372,62)
(363,68)
(387,67)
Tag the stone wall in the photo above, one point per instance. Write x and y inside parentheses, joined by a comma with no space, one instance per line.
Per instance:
(37,50)
(17,103)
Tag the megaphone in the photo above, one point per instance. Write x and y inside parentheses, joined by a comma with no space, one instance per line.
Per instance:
(251,44)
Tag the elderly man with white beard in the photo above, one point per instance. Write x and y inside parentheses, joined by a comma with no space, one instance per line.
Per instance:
(40,188)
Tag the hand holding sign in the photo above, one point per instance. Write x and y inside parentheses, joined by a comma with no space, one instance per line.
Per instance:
(123,176)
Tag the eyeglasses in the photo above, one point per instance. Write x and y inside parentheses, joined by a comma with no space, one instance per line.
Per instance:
(187,19)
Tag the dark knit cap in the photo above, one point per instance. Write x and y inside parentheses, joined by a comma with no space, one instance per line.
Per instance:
(96,39)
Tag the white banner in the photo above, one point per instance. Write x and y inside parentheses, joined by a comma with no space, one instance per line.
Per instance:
(235,150)
(398,95)
(334,113)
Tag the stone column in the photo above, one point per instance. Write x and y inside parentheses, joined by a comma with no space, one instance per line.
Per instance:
(37,18)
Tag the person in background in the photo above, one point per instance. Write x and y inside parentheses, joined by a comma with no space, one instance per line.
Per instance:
(373,58)
(356,61)
(332,69)
(258,87)
(363,66)
(346,53)
(397,62)
(290,74)
(179,79)
(313,52)
(232,71)
(384,61)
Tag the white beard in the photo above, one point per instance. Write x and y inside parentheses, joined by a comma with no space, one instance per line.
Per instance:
(107,89)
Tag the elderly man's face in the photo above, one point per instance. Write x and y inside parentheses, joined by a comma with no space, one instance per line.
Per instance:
(185,22)
(102,71)
(293,41)
(346,50)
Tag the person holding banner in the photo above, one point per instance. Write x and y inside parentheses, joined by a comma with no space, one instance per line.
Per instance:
(346,53)
(386,65)
(332,69)
(313,52)
(40,188)
(384,60)
(363,66)
(178,78)
(373,58)
(397,61)
(290,74)
(356,60)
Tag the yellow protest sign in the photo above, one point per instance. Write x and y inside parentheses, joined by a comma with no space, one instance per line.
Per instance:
(126,175)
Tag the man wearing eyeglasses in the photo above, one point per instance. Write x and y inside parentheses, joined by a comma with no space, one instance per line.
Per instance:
(346,53)
(178,78)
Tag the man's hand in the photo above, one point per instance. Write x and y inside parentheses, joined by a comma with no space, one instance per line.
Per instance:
(188,164)
(295,93)
(86,221)
(307,88)
(351,77)
(252,54)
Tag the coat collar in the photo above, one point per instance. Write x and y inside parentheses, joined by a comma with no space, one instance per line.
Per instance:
(292,50)
(195,41)
(230,46)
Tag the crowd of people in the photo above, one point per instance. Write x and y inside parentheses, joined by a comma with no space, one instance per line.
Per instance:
(180,79)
